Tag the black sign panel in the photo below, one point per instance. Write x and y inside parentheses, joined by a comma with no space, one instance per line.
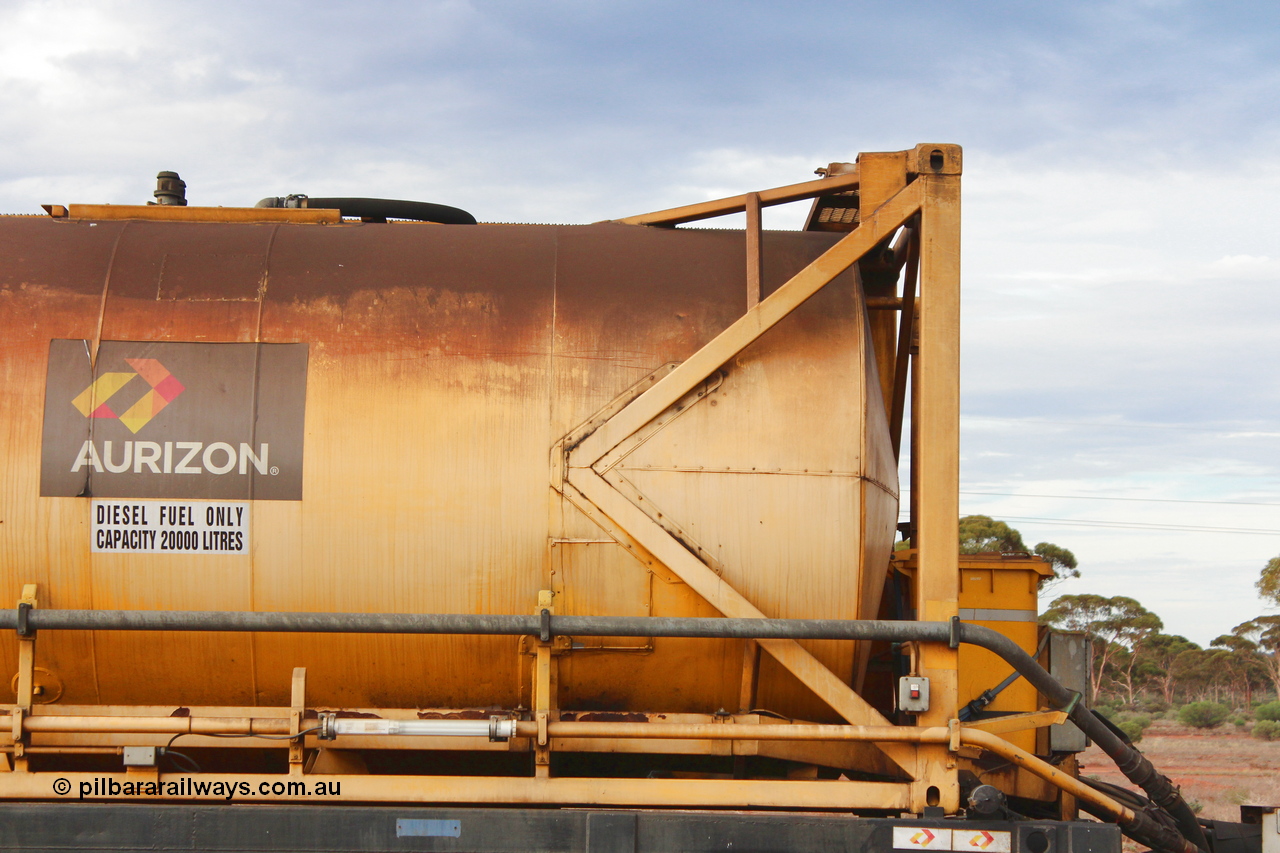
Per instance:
(174,420)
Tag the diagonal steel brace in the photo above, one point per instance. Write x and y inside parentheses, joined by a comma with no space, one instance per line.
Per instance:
(590,486)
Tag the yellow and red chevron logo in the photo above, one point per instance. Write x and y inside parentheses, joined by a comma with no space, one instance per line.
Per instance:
(165,388)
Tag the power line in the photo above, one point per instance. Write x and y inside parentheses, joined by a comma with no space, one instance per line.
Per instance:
(1130,525)
(1137,525)
(1106,498)
(1253,432)
(1102,498)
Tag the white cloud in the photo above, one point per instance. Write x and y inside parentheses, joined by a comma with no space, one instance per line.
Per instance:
(44,42)
(1120,255)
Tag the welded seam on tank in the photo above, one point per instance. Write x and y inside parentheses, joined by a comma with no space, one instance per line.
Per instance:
(257,376)
(638,439)
(555,504)
(102,303)
(884,487)
(865,588)
(789,472)
(93,363)
(871,391)
(637,551)
(262,283)
(632,492)
(574,437)
(624,485)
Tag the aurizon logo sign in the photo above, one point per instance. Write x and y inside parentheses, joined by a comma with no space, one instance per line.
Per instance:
(231,428)
(95,401)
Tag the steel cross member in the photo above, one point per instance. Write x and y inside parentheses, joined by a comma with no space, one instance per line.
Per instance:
(587,488)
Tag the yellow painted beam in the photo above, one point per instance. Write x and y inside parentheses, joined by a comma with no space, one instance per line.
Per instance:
(176,213)
(1018,722)
(738,203)
(501,790)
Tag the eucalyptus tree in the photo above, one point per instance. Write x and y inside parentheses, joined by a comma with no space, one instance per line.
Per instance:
(1264,633)
(1115,626)
(980,534)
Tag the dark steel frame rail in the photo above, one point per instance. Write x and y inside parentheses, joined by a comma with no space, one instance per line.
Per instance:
(545,625)
(135,828)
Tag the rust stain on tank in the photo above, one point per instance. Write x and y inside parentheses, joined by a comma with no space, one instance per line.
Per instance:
(610,717)
(444,364)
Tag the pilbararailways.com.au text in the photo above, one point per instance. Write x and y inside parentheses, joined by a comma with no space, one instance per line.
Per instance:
(187,786)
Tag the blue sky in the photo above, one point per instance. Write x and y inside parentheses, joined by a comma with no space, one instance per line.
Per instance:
(1121,248)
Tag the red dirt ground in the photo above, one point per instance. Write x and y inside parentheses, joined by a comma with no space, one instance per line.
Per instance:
(1218,769)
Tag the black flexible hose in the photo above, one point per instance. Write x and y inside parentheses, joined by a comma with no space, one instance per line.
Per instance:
(382,209)
(1132,799)
(377,209)
(1132,763)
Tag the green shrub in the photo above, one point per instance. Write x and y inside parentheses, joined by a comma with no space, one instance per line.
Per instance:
(1134,726)
(1269,712)
(1240,722)
(1203,715)
(1267,730)
(1107,710)
(1237,796)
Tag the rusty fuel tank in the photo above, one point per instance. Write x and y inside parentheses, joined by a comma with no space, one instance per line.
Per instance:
(299,416)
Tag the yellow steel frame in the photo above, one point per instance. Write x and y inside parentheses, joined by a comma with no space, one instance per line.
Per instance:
(241,725)
(920,186)
(918,189)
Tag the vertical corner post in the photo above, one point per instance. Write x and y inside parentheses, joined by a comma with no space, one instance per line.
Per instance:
(936,424)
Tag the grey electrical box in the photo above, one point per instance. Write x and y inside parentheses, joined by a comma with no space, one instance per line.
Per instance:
(139,756)
(1069,664)
(913,694)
